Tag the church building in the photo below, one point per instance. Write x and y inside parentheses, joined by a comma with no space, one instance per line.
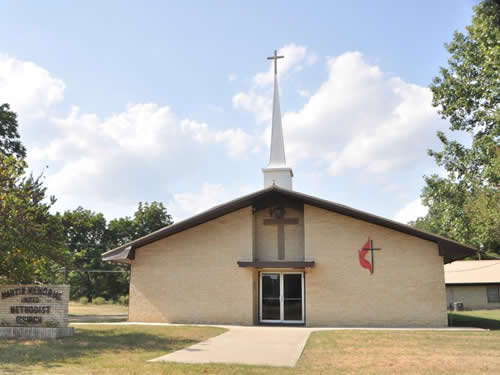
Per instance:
(278,256)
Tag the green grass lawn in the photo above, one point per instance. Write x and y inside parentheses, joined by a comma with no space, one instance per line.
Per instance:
(99,349)
(76,308)
(489,319)
(97,313)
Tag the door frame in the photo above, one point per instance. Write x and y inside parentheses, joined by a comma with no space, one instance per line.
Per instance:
(282,299)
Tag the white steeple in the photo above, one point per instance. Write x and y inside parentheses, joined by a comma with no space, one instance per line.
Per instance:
(277,158)
(277,173)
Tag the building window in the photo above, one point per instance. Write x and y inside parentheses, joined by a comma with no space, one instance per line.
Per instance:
(493,293)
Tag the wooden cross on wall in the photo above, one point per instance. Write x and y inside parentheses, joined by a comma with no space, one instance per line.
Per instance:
(280,223)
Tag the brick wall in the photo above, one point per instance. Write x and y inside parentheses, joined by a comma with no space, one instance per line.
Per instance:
(193,276)
(406,289)
(473,296)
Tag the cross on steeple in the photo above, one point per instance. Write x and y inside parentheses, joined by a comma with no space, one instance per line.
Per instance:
(275,57)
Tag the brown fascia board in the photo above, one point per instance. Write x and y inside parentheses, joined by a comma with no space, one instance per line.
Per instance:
(277,264)
(490,283)
(449,249)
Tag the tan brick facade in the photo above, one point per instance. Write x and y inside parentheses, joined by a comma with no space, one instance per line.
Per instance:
(473,297)
(193,276)
(406,289)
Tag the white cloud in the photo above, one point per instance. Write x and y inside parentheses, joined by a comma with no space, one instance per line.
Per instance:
(109,160)
(411,211)
(258,99)
(141,130)
(294,57)
(198,131)
(236,140)
(28,88)
(186,204)
(103,160)
(360,118)
(232,77)
(259,105)
(104,163)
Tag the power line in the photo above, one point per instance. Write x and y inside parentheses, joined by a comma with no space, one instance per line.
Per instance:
(96,271)
(78,258)
(477,268)
(82,270)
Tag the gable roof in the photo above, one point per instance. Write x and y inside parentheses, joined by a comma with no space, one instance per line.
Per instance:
(472,272)
(451,250)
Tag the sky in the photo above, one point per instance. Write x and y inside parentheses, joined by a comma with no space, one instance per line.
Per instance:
(120,102)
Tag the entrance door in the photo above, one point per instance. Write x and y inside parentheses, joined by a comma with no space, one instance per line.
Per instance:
(282,297)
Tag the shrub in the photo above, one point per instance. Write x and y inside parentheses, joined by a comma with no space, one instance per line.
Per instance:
(123,300)
(99,301)
(83,300)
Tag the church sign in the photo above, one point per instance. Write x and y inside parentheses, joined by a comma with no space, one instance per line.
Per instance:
(39,311)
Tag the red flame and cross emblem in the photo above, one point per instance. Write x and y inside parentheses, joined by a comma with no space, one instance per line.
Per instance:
(368,247)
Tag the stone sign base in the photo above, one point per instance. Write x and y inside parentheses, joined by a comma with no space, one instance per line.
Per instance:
(35,332)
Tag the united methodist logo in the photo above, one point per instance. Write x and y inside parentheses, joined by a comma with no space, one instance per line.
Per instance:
(368,247)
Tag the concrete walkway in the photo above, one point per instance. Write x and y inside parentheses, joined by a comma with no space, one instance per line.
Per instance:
(256,345)
(269,346)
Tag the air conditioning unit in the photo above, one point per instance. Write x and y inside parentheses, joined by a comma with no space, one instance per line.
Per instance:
(458,306)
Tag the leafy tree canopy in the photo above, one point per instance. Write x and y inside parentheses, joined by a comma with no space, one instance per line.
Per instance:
(87,238)
(465,204)
(89,235)
(10,143)
(31,239)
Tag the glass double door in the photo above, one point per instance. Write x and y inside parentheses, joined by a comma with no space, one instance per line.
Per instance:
(282,297)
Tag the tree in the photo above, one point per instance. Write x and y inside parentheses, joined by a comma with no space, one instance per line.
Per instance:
(150,217)
(464,204)
(483,209)
(147,218)
(10,143)
(88,235)
(31,238)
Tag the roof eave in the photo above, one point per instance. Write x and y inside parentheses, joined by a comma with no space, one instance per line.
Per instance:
(449,249)
(122,254)
(197,219)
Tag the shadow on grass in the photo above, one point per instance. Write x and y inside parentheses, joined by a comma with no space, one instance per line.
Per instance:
(85,344)
(97,318)
(462,320)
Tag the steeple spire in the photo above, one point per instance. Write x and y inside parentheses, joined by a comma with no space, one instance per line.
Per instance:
(277,157)
(277,173)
